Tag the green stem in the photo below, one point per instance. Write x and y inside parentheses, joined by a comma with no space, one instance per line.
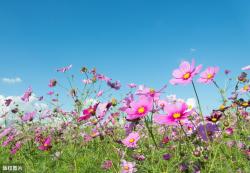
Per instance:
(151,133)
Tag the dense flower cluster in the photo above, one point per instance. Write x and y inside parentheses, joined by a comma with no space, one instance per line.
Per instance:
(136,126)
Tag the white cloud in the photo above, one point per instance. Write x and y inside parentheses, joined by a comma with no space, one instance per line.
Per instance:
(11,80)
(193,50)
(33,105)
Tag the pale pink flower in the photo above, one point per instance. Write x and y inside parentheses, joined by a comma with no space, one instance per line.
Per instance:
(175,113)
(128,167)
(246,68)
(245,89)
(99,94)
(27,95)
(131,140)
(87,81)
(132,85)
(150,92)
(229,131)
(185,73)
(5,132)
(208,75)
(140,108)
(64,69)
(50,93)
(28,116)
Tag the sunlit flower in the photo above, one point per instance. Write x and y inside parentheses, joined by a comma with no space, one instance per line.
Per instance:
(175,113)
(208,75)
(185,73)
(140,108)
(128,167)
(131,140)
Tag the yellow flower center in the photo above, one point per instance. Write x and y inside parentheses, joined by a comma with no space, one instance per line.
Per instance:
(45,145)
(126,168)
(222,107)
(132,140)
(210,76)
(214,119)
(141,110)
(187,75)
(176,115)
(246,87)
(91,110)
(152,90)
(245,104)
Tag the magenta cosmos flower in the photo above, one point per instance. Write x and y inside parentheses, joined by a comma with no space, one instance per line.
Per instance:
(131,140)
(128,167)
(208,75)
(46,144)
(185,73)
(176,113)
(139,109)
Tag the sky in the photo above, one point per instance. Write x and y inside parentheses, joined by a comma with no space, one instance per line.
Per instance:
(135,41)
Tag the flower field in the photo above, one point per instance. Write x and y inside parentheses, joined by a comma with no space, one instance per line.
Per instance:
(143,130)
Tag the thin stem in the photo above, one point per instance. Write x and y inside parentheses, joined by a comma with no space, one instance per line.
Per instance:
(197,98)
(221,92)
(151,133)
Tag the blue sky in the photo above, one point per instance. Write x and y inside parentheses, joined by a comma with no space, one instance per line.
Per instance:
(133,40)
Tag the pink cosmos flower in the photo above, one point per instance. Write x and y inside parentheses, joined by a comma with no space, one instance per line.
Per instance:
(139,109)
(16,147)
(185,73)
(208,75)
(28,116)
(64,69)
(150,92)
(99,94)
(103,77)
(245,89)
(132,85)
(128,167)
(46,144)
(87,113)
(52,83)
(246,68)
(50,93)
(131,140)
(5,132)
(27,95)
(176,113)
